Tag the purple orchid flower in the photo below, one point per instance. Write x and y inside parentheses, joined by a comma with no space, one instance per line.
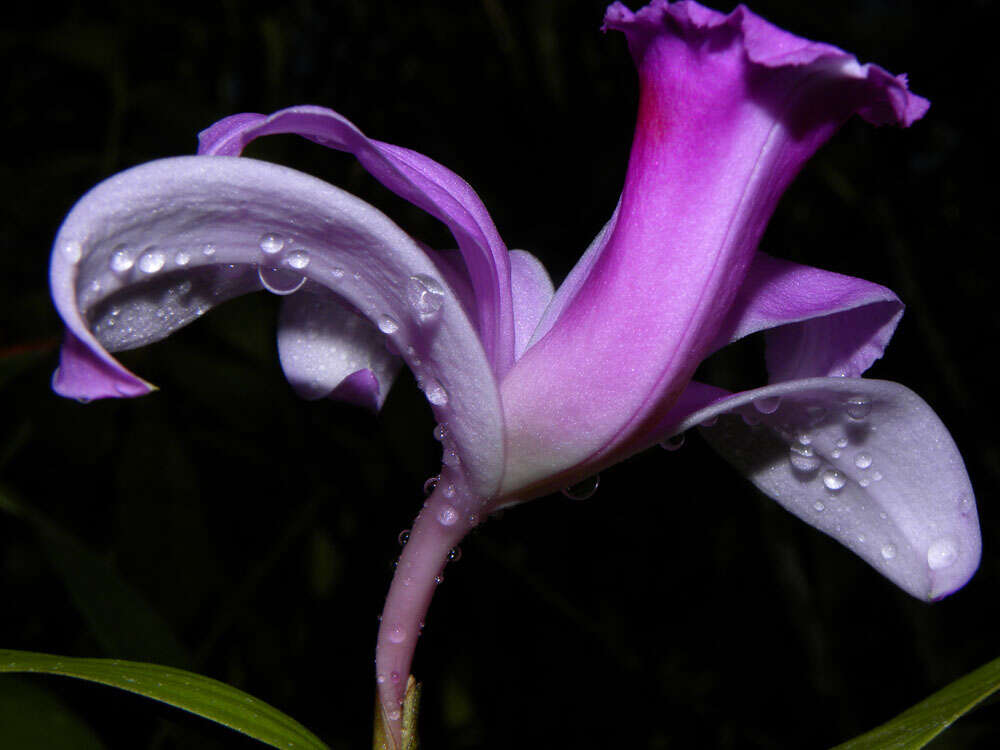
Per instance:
(534,389)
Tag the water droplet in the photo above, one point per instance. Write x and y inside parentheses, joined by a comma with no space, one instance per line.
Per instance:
(430,485)
(767,405)
(965,504)
(425,294)
(888,551)
(450,457)
(208,251)
(152,260)
(403,538)
(818,505)
(863,460)
(858,407)
(271,244)
(449,490)
(842,442)
(280,282)
(454,554)
(387,325)
(439,579)
(380,678)
(864,482)
(440,432)
(298,259)
(877,476)
(804,438)
(584,489)
(395,678)
(942,554)
(448,516)
(182,258)
(394,715)
(836,453)
(435,392)
(397,634)
(337,273)
(73,251)
(121,259)
(803,458)
(672,443)
(833,480)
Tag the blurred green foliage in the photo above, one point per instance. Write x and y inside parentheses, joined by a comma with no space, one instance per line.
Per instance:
(676,607)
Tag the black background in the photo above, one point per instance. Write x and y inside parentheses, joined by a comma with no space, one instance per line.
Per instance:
(677,607)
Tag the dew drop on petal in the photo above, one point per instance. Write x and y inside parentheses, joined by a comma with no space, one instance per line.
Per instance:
(435,392)
(403,538)
(858,407)
(803,458)
(337,273)
(208,251)
(121,259)
(941,554)
(804,438)
(280,282)
(72,251)
(454,554)
(397,634)
(395,678)
(767,405)
(387,324)
(430,485)
(864,482)
(584,489)
(448,516)
(152,260)
(271,244)
(380,678)
(888,551)
(833,480)
(818,505)
(394,715)
(425,294)
(841,442)
(440,432)
(450,457)
(863,460)
(965,504)
(672,443)
(182,258)
(298,259)
(877,476)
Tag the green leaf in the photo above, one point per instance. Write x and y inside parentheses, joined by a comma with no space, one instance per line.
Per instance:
(203,696)
(917,726)
(31,716)
(383,739)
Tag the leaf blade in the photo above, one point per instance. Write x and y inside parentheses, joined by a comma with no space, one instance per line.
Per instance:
(202,696)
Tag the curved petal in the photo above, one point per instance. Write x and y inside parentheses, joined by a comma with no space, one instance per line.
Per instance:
(866,462)
(264,224)
(730,108)
(532,292)
(818,323)
(328,350)
(412,176)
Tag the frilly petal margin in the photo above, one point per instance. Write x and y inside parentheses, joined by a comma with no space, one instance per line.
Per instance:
(865,461)
(418,179)
(178,235)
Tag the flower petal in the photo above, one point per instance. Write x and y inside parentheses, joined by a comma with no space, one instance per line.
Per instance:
(865,461)
(266,223)
(730,108)
(328,350)
(818,323)
(420,180)
(532,292)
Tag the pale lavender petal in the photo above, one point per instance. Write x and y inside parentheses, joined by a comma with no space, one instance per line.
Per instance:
(532,292)
(818,323)
(86,373)
(328,349)
(190,231)
(865,461)
(730,108)
(418,179)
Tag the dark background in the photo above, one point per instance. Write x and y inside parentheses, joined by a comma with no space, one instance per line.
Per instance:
(676,608)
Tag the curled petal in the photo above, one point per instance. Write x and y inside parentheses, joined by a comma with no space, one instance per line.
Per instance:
(730,108)
(865,461)
(170,238)
(328,350)
(412,176)
(818,323)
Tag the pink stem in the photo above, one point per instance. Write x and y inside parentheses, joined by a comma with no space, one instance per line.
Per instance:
(437,529)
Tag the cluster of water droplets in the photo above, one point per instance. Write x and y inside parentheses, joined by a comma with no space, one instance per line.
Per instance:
(280,271)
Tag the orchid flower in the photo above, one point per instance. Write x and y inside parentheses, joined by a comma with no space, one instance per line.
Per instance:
(535,389)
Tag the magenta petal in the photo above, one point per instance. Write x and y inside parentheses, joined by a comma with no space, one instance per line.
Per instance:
(418,179)
(87,373)
(329,350)
(730,108)
(818,323)
(866,462)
